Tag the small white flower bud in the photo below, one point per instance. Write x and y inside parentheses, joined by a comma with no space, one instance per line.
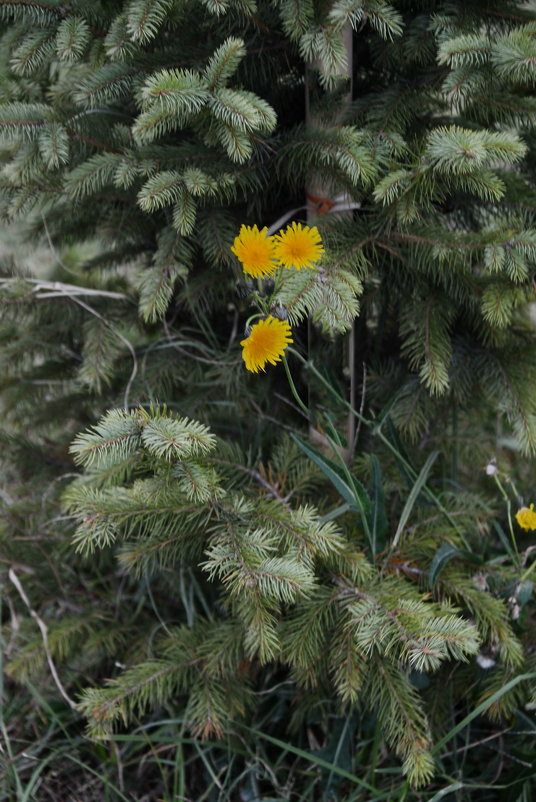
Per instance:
(484,661)
(480,581)
(491,467)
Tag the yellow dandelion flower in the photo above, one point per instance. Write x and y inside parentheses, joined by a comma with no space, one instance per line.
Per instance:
(266,343)
(526,518)
(256,251)
(298,246)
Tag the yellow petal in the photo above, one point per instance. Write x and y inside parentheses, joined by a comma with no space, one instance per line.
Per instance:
(266,342)
(298,246)
(256,251)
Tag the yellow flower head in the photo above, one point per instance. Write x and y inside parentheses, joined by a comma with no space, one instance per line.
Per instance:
(298,246)
(266,343)
(526,518)
(256,251)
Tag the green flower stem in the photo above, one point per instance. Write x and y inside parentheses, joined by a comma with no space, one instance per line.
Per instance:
(261,303)
(252,317)
(376,431)
(309,364)
(515,492)
(277,284)
(527,573)
(335,444)
(293,387)
(508,503)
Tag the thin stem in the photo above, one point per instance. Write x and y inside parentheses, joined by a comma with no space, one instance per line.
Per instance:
(277,285)
(508,503)
(293,387)
(44,634)
(351,369)
(514,488)
(335,444)
(527,573)
(252,317)
(259,299)
(309,364)
(376,430)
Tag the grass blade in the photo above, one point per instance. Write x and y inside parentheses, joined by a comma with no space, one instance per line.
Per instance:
(483,706)
(413,496)
(325,764)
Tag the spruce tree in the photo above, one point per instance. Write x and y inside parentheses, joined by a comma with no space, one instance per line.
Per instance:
(137,138)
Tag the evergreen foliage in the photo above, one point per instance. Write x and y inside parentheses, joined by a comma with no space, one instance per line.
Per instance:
(171,543)
(266,558)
